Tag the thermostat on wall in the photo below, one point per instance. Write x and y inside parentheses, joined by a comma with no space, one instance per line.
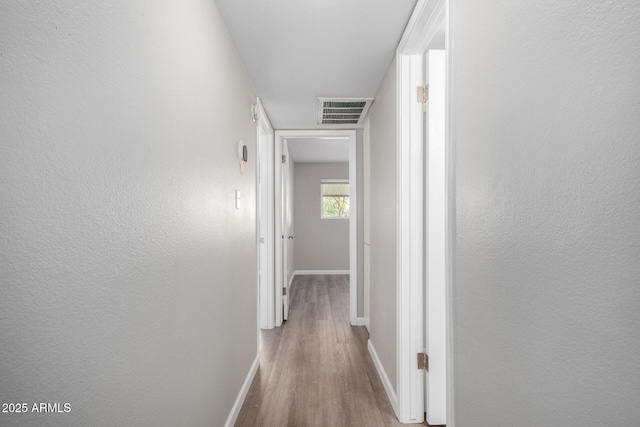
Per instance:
(242,155)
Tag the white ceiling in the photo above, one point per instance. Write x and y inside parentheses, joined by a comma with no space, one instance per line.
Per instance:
(298,50)
(319,150)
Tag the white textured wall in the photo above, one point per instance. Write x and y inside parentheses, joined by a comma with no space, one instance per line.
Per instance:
(320,244)
(383,223)
(546,296)
(127,277)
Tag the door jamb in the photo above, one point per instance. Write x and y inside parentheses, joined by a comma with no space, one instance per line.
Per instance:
(410,253)
(353,224)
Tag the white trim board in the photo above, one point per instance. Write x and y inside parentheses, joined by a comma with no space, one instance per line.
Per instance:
(318,272)
(422,26)
(264,182)
(388,387)
(237,405)
(361,321)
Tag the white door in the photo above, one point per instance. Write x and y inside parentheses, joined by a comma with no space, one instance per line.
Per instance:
(263,229)
(435,322)
(264,217)
(260,231)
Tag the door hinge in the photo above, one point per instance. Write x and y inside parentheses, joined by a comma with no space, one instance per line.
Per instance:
(284,158)
(423,362)
(284,290)
(423,94)
(254,112)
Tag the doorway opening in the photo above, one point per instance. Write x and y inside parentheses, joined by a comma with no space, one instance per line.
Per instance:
(318,143)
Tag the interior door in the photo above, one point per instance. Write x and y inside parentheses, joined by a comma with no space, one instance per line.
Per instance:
(264,285)
(286,236)
(434,309)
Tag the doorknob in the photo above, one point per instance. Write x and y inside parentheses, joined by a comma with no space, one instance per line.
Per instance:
(291,237)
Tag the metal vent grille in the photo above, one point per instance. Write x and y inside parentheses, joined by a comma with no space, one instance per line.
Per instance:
(342,111)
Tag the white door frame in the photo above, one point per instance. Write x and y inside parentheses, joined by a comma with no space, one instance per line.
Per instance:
(265,200)
(425,21)
(366,204)
(349,135)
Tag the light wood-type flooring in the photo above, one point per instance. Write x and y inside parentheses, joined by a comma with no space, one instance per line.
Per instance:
(316,370)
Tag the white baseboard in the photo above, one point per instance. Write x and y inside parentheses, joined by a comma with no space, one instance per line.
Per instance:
(317,272)
(383,376)
(291,279)
(235,411)
(361,321)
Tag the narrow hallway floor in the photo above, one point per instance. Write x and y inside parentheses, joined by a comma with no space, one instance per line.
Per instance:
(316,370)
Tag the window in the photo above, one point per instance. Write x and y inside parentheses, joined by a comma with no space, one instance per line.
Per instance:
(335,198)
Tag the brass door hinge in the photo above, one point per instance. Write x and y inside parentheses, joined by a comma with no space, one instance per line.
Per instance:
(284,290)
(423,94)
(423,362)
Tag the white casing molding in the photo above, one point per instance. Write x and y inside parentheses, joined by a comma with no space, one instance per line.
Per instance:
(422,27)
(237,405)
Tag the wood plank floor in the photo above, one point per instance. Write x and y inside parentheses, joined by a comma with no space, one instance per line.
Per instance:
(316,369)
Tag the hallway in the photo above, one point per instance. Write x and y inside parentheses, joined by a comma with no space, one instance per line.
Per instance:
(316,369)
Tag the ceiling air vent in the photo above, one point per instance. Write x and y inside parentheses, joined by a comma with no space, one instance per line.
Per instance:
(342,111)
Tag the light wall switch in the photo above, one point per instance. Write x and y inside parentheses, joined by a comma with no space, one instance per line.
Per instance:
(238,197)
